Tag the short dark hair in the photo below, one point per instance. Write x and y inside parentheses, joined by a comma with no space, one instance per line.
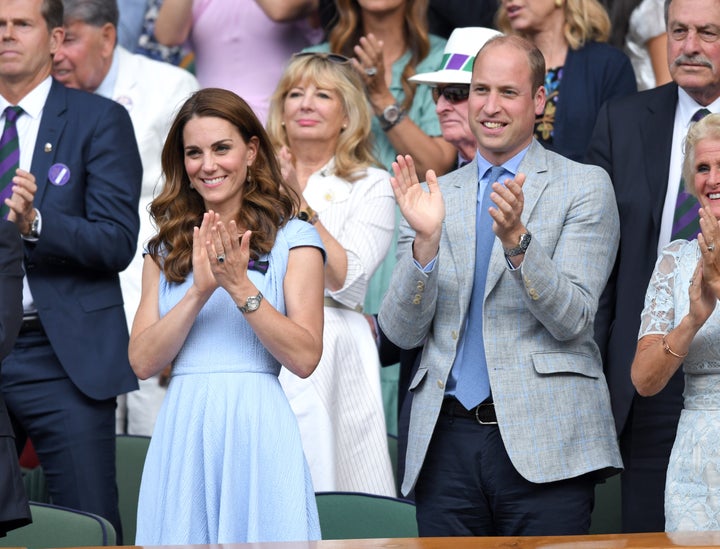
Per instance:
(536,61)
(52,12)
(92,12)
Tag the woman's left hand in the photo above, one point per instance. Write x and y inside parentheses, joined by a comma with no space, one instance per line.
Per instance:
(702,298)
(369,63)
(287,168)
(229,254)
(709,243)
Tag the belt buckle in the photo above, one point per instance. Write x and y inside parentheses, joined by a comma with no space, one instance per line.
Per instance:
(477,416)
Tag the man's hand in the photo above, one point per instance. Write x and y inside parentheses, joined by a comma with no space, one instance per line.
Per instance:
(22,212)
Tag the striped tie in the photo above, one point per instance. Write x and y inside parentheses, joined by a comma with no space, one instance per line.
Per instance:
(686,223)
(9,156)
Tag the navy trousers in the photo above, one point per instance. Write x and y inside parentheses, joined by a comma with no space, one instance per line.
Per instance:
(73,435)
(469,487)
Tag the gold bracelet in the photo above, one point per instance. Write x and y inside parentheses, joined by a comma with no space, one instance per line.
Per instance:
(669,351)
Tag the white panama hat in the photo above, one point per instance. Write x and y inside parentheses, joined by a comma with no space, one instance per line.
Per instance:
(457,61)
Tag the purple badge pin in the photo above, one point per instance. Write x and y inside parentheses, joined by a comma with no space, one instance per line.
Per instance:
(59,174)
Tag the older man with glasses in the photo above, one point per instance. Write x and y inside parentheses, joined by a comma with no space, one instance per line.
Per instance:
(451,88)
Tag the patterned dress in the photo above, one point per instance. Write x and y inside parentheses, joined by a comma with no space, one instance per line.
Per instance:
(225,463)
(692,490)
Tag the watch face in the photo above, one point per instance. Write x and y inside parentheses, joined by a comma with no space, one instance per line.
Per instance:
(391,113)
(253,303)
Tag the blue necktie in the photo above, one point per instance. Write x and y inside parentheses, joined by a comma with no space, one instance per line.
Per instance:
(473,384)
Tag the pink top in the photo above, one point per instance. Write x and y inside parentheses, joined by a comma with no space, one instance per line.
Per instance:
(239,48)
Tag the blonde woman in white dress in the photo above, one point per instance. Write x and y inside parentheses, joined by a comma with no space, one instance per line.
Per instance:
(320,123)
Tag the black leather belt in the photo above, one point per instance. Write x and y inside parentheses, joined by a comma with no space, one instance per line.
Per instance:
(483,413)
(31,324)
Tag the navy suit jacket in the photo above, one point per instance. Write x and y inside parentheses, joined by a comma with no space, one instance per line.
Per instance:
(89,234)
(632,142)
(591,75)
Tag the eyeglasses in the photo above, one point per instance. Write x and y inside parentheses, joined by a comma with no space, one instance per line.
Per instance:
(332,57)
(454,93)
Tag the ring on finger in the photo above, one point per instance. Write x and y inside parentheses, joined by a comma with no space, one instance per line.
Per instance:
(221,258)
(371,71)
(711,247)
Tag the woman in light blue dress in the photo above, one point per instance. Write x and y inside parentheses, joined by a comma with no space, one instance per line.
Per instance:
(681,325)
(232,288)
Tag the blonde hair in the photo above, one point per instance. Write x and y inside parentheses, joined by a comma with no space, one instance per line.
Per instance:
(706,128)
(585,21)
(346,33)
(353,152)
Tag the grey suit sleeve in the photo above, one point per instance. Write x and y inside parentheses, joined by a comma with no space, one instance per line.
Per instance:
(563,284)
(408,307)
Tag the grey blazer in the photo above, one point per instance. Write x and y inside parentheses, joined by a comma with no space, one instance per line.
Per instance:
(546,376)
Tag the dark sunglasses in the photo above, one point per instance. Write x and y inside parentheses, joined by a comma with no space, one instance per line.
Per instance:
(454,93)
(332,57)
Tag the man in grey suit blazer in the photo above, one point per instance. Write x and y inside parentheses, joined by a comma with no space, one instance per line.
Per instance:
(511,303)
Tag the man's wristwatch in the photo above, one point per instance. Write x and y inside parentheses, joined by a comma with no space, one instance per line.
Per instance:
(522,246)
(34,231)
(391,115)
(252,303)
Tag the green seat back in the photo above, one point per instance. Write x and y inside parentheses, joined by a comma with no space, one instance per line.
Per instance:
(348,515)
(130,454)
(55,526)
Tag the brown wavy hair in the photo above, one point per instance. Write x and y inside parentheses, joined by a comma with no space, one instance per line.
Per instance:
(353,151)
(349,28)
(585,21)
(266,204)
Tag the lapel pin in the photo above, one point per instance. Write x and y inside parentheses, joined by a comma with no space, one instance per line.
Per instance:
(48,147)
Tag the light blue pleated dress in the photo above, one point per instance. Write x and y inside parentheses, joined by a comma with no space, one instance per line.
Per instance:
(226,463)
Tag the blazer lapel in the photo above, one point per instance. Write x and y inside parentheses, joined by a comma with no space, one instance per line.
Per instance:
(460,195)
(52,124)
(534,166)
(656,131)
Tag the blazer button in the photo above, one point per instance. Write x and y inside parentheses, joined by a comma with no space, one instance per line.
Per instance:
(454,334)
(440,383)
(534,295)
(420,286)
(417,299)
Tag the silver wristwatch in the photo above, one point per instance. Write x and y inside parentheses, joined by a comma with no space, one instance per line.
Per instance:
(522,246)
(391,115)
(252,303)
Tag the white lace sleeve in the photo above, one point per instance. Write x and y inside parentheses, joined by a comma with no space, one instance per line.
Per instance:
(658,316)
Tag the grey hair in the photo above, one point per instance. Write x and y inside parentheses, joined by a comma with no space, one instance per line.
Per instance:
(92,12)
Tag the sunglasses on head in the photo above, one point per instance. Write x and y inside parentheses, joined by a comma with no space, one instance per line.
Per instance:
(454,93)
(332,57)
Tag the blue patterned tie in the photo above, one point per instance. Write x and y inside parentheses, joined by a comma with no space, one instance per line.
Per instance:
(9,156)
(686,224)
(473,384)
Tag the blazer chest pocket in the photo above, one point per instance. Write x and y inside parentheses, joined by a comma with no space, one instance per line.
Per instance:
(557,363)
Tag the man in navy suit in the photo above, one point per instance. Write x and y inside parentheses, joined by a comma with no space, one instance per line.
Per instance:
(74,200)
(638,140)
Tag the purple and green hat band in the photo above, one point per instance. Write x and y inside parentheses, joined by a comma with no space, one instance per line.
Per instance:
(457,62)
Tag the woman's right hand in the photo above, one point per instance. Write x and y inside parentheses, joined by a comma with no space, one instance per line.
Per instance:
(203,278)
(287,168)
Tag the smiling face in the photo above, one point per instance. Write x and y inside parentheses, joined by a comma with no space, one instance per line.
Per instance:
(707,174)
(313,113)
(216,162)
(503,105)
(26,45)
(694,47)
(85,56)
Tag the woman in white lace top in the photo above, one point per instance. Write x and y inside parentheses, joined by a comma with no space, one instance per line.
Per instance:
(681,325)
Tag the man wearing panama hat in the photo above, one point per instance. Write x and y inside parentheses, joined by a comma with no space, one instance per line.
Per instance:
(451,86)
